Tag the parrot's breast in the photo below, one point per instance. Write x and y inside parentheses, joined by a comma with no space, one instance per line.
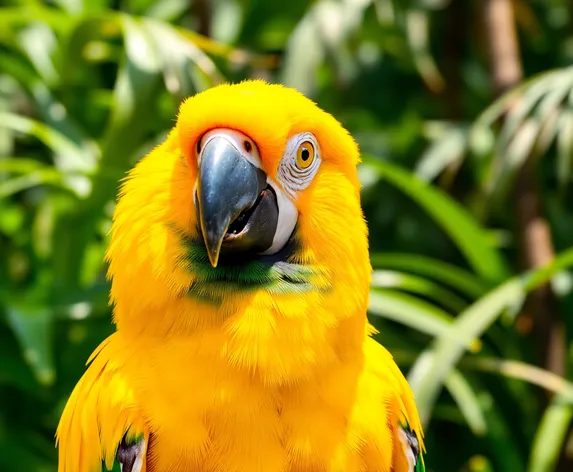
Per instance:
(207,415)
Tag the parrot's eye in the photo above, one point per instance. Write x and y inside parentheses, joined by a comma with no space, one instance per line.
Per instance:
(305,155)
(299,164)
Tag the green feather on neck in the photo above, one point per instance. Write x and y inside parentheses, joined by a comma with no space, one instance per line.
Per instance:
(275,273)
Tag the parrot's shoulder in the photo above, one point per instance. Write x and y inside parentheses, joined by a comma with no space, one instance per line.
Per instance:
(101,427)
(404,418)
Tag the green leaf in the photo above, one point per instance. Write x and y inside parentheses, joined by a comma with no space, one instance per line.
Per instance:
(136,83)
(13,374)
(185,67)
(33,327)
(301,62)
(413,312)
(520,146)
(550,435)
(565,148)
(167,10)
(419,286)
(522,371)
(15,16)
(444,151)
(32,179)
(72,161)
(467,401)
(528,97)
(540,276)
(417,27)
(12,217)
(430,371)
(69,157)
(501,438)
(471,239)
(39,42)
(20,165)
(448,274)
(532,116)
(8,87)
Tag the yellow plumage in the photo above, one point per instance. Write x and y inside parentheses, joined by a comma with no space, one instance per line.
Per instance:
(229,377)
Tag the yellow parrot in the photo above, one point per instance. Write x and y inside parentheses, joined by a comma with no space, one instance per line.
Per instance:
(240,276)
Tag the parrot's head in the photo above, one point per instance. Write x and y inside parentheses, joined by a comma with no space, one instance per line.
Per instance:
(252,201)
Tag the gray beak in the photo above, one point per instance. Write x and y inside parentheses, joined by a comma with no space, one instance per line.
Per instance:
(237,210)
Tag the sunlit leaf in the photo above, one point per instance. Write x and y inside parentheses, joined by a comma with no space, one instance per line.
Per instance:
(413,312)
(323,32)
(417,285)
(448,274)
(72,161)
(467,401)
(38,42)
(533,116)
(167,10)
(565,148)
(227,21)
(522,371)
(301,61)
(525,99)
(551,435)
(418,38)
(180,57)
(444,151)
(67,155)
(430,371)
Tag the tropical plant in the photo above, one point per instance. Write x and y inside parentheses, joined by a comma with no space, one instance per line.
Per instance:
(470,291)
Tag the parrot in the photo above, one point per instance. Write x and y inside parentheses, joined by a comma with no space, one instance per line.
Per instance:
(239,270)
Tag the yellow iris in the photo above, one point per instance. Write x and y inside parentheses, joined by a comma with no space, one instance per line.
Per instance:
(305,155)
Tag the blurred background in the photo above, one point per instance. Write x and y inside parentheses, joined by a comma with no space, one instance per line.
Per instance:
(464,113)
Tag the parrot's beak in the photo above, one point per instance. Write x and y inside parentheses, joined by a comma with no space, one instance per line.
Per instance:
(237,209)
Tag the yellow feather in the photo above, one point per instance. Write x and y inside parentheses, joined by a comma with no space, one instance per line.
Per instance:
(262,381)
(100,410)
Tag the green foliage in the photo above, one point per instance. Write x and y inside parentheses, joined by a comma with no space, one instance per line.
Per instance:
(88,87)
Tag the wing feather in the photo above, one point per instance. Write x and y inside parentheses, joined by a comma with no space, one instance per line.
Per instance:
(407,435)
(407,427)
(100,412)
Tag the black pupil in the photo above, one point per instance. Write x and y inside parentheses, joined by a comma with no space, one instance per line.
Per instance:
(305,154)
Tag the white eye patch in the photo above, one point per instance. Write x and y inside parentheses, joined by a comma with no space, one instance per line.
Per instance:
(299,164)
